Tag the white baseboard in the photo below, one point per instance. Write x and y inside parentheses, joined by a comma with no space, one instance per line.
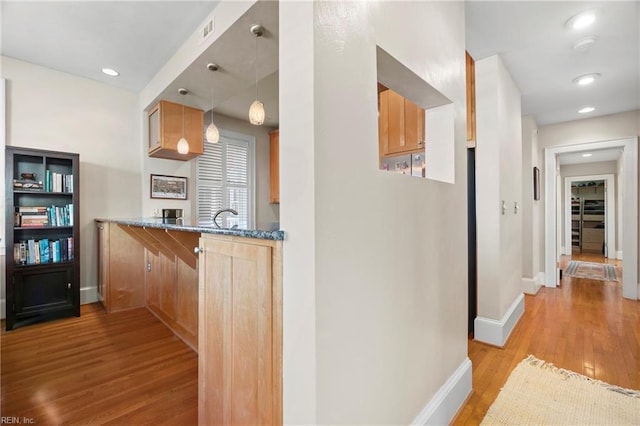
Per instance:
(496,332)
(530,285)
(619,255)
(88,295)
(445,404)
(3,308)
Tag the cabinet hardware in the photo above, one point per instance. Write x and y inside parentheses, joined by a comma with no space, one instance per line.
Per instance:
(504,207)
(68,285)
(197,250)
(148,266)
(515,207)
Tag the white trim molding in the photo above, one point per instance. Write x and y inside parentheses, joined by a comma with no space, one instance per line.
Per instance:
(88,295)
(496,332)
(3,308)
(629,209)
(444,405)
(530,285)
(619,255)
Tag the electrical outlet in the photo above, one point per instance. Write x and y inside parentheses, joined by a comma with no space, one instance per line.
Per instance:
(156,213)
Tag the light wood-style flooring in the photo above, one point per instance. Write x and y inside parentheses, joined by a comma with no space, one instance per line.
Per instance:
(124,368)
(98,369)
(583,325)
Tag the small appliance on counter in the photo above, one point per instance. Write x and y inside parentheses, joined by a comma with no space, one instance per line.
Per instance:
(171,215)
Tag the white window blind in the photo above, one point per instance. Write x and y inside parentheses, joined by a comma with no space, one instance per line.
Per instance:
(225,179)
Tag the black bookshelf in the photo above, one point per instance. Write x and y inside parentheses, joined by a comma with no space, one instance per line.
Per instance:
(42,235)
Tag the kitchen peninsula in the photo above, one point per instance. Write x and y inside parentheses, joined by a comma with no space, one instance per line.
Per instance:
(220,291)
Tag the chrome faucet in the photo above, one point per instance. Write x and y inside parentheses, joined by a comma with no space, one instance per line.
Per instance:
(215,216)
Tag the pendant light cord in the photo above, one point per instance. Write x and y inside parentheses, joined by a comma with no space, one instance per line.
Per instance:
(255,60)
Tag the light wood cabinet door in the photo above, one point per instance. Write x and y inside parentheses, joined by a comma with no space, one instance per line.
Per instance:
(126,271)
(236,374)
(274,166)
(167,123)
(471,101)
(396,143)
(413,126)
(401,125)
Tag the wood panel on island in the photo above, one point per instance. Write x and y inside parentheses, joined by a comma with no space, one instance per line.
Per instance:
(221,294)
(167,123)
(150,267)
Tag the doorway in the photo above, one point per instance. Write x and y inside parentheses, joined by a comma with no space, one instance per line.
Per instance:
(629,207)
(589,216)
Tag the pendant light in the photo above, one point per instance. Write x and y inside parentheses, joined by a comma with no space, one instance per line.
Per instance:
(212,133)
(256,111)
(183,145)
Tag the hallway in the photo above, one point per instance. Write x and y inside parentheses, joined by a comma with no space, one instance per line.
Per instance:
(584,325)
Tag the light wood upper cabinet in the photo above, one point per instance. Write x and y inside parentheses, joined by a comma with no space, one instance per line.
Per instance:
(400,125)
(471,101)
(274,166)
(168,122)
(240,340)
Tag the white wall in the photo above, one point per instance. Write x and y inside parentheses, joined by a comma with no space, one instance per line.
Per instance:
(531,209)
(48,109)
(498,180)
(375,280)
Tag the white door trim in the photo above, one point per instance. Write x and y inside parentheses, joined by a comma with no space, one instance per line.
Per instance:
(610,211)
(629,210)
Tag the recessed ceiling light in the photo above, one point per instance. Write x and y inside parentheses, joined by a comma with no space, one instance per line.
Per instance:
(586,79)
(585,44)
(586,110)
(582,19)
(110,72)
(588,154)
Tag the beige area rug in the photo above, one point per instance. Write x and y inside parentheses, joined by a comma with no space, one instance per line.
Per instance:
(593,271)
(538,393)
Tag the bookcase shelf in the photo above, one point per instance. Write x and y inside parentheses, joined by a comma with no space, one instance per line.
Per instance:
(43,257)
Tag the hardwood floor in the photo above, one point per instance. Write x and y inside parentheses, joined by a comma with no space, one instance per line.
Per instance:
(583,325)
(99,369)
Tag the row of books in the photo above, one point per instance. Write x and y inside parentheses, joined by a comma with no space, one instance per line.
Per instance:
(27,185)
(57,182)
(53,182)
(32,252)
(27,216)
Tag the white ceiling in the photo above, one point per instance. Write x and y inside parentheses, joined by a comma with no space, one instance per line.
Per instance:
(536,48)
(596,156)
(137,38)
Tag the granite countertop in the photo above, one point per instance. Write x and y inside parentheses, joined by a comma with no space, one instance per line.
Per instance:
(186,225)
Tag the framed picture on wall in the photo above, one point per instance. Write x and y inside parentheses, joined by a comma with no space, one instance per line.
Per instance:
(169,187)
(536,183)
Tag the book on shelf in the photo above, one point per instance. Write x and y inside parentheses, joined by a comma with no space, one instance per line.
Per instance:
(33,252)
(44,216)
(58,182)
(27,185)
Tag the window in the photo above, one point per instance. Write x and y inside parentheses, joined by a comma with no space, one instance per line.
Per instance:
(225,179)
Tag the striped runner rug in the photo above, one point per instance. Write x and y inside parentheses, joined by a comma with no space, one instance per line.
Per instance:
(590,270)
